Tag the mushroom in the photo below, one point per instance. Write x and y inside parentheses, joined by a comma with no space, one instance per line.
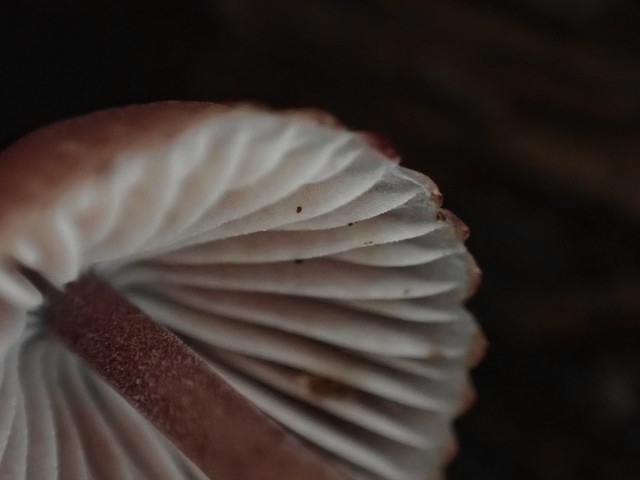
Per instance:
(292,270)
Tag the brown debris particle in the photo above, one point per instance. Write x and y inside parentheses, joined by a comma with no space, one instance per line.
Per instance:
(298,209)
(326,388)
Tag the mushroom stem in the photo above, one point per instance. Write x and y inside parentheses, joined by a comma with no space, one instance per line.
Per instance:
(220,431)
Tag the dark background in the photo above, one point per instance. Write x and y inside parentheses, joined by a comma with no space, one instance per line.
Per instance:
(525,112)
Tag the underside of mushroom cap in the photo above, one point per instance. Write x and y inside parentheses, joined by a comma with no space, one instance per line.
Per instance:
(320,278)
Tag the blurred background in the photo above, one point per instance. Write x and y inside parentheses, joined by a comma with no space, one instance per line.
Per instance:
(525,112)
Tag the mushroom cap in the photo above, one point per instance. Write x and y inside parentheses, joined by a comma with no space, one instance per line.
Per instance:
(320,278)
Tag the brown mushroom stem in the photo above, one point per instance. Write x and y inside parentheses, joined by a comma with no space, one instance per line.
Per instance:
(225,435)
